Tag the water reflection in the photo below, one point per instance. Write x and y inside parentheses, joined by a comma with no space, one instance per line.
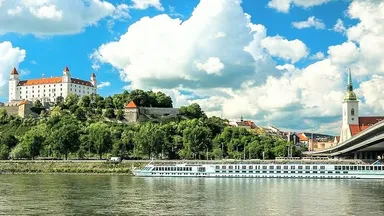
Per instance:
(123,195)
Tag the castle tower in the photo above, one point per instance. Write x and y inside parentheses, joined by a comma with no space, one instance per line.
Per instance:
(350,110)
(13,82)
(66,75)
(93,80)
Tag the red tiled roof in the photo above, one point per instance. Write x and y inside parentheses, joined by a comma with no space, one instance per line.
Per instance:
(81,82)
(355,129)
(364,123)
(23,102)
(131,105)
(302,137)
(52,80)
(14,72)
(246,123)
(371,120)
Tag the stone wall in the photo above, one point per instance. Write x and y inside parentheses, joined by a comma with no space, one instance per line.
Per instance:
(159,111)
(11,108)
(17,108)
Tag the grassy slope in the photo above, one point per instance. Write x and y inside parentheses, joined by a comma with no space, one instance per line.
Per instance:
(66,167)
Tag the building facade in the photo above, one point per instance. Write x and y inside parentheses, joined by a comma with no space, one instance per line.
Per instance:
(352,123)
(49,89)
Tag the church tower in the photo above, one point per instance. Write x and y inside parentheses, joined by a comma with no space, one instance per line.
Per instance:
(93,80)
(13,82)
(66,75)
(350,110)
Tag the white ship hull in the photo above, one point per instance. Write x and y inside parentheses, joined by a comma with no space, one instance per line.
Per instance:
(307,171)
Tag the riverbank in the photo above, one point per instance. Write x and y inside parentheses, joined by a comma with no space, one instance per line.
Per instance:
(30,167)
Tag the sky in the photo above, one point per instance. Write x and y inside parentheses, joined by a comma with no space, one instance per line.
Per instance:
(275,62)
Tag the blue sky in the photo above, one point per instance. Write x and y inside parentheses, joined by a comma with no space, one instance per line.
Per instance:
(110,36)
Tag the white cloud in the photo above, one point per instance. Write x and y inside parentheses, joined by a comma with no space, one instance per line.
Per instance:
(372,92)
(251,84)
(173,48)
(339,26)
(278,46)
(310,22)
(9,57)
(103,84)
(212,66)
(317,56)
(343,54)
(144,4)
(284,5)
(50,17)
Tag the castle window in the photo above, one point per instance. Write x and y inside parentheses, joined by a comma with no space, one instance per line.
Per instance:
(352,112)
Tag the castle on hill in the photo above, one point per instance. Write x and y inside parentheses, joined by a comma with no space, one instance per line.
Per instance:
(49,89)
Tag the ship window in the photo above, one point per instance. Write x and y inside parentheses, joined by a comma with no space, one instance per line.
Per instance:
(337,172)
(217,167)
(285,167)
(322,167)
(322,171)
(237,171)
(264,171)
(345,172)
(363,168)
(278,171)
(314,171)
(300,171)
(278,167)
(379,168)
(250,167)
(307,172)
(270,167)
(300,167)
(264,167)
(223,167)
(314,167)
(243,171)
(293,167)
(244,167)
(375,167)
(307,167)
(330,172)
(230,167)
(285,171)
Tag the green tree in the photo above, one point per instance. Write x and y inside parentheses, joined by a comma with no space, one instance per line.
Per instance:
(85,101)
(66,139)
(192,111)
(38,104)
(120,114)
(100,137)
(149,140)
(109,113)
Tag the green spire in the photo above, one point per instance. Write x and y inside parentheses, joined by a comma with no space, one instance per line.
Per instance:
(350,95)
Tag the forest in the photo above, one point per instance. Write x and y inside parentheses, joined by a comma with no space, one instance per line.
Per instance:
(89,128)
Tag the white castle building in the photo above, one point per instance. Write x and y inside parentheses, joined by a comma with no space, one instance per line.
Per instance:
(49,89)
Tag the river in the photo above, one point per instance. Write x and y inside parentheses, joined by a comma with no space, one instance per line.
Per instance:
(126,195)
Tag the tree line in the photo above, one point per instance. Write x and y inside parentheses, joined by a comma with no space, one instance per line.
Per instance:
(77,128)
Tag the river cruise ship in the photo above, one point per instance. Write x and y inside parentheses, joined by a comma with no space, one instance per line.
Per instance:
(298,170)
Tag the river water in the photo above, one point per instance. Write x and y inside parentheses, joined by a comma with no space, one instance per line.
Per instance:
(126,195)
